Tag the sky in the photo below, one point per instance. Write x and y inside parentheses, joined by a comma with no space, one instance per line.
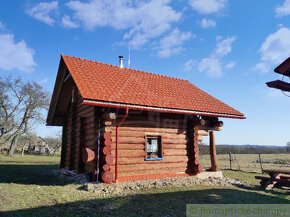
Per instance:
(227,48)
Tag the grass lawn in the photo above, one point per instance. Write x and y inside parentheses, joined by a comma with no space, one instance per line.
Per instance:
(26,192)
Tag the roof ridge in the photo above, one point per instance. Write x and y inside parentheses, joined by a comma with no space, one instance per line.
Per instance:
(137,70)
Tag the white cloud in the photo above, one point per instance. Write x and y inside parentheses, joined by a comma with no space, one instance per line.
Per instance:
(230,65)
(207,23)
(284,9)
(42,11)
(188,65)
(144,20)
(261,67)
(171,44)
(68,23)
(224,47)
(212,65)
(274,50)
(208,6)
(15,55)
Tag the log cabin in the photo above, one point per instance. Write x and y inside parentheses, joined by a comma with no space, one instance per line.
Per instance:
(121,124)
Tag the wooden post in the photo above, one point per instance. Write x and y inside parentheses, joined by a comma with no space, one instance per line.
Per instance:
(230,156)
(260,162)
(213,158)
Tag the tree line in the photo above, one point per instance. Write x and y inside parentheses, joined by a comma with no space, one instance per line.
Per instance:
(234,149)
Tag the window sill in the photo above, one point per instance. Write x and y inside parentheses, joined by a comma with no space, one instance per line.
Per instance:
(159,158)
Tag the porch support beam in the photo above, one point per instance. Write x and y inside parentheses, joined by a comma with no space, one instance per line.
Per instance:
(213,157)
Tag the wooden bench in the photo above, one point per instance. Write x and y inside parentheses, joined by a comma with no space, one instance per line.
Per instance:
(276,178)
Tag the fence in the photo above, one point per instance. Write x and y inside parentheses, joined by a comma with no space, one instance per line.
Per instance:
(249,162)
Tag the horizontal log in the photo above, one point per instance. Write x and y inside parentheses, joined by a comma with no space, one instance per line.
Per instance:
(173,141)
(107,142)
(129,146)
(129,140)
(107,150)
(107,177)
(81,106)
(133,140)
(174,146)
(85,113)
(141,160)
(109,159)
(157,130)
(154,118)
(142,167)
(90,122)
(130,153)
(203,133)
(108,123)
(105,129)
(152,124)
(107,135)
(145,172)
(106,167)
(209,128)
(174,152)
(85,108)
(142,134)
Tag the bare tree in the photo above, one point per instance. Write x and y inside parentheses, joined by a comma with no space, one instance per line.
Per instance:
(21,104)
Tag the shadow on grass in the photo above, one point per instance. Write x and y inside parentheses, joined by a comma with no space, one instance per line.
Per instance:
(29,174)
(148,204)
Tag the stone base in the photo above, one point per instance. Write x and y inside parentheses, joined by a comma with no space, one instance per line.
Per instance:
(207,174)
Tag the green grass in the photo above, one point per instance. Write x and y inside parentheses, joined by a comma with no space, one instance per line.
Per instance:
(26,192)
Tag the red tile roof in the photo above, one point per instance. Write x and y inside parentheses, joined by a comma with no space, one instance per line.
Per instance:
(103,83)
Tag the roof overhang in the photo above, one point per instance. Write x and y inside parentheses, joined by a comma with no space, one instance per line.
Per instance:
(284,68)
(158,109)
(61,96)
(280,85)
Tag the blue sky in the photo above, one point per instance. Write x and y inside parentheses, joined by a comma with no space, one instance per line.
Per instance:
(227,48)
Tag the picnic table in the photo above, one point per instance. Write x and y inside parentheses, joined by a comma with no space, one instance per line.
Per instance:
(276,178)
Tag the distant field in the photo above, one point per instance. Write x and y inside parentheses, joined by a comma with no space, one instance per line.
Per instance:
(24,191)
(250,162)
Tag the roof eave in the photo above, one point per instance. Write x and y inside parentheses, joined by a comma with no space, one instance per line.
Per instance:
(56,92)
(159,109)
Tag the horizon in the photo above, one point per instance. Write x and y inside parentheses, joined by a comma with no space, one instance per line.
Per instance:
(212,44)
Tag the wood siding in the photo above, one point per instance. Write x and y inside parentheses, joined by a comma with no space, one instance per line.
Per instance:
(132,154)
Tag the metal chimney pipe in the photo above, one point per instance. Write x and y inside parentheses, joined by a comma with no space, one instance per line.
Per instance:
(121,62)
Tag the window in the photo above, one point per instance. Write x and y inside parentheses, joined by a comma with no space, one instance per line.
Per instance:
(154,148)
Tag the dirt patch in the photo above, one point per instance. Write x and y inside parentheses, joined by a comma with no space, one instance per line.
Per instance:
(127,188)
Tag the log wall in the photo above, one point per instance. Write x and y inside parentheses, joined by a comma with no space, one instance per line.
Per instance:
(176,144)
(79,132)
